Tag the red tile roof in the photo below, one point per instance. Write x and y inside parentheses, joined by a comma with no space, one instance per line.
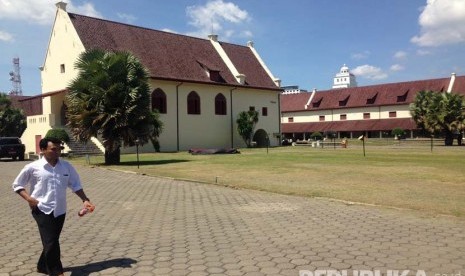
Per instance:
(172,56)
(353,125)
(400,93)
(246,63)
(30,105)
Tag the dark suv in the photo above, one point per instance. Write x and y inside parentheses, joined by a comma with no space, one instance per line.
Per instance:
(12,147)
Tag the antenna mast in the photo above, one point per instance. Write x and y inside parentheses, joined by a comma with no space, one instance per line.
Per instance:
(15,78)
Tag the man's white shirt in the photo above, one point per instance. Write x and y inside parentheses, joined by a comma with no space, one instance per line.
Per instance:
(48,184)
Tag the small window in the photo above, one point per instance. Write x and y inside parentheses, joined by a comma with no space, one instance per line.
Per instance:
(62,68)
(343,117)
(392,114)
(322,118)
(316,104)
(290,119)
(193,103)
(264,111)
(372,99)
(220,104)
(402,98)
(344,101)
(251,108)
(215,76)
(159,101)
(366,115)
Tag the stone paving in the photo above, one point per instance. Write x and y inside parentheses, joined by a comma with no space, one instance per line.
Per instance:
(155,226)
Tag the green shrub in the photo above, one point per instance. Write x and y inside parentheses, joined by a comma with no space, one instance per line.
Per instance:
(58,133)
(316,135)
(398,132)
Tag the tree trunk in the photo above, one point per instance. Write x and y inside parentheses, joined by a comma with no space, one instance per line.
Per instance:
(449,139)
(112,157)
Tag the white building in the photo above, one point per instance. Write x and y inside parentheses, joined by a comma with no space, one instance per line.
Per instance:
(350,112)
(198,85)
(344,79)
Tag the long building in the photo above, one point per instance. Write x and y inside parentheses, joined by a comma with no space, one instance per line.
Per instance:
(350,112)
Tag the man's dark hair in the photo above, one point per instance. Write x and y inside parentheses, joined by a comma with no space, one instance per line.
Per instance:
(43,144)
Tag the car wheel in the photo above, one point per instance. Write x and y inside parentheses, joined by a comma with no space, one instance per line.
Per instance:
(14,158)
(21,157)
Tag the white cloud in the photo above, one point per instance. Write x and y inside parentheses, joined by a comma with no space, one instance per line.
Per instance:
(423,52)
(4,36)
(442,22)
(362,55)
(400,55)
(39,11)
(128,18)
(397,67)
(85,9)
(246,33)
(221,18)
(369,72)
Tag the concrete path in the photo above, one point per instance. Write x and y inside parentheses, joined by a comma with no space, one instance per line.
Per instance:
(154,226)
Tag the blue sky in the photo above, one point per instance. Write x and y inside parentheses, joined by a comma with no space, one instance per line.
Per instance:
(303,42)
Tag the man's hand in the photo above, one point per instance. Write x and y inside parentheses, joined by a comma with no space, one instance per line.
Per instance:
(32,202)
(89,206)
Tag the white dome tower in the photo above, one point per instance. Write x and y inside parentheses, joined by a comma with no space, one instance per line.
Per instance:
(344,78)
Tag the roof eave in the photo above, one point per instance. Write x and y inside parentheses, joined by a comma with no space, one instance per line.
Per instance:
(217,83)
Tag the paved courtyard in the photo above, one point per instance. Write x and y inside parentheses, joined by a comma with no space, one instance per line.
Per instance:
(154,226)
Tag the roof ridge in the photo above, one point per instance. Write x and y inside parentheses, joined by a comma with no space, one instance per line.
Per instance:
(384,84)
(148,28)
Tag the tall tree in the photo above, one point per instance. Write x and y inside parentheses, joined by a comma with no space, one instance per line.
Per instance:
(12,120)
(110,99)
(439,113)
(246,122)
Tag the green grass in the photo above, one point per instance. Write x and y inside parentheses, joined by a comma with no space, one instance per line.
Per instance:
(395,175)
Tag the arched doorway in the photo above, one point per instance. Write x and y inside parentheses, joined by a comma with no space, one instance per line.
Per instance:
(261,138)
(63,113)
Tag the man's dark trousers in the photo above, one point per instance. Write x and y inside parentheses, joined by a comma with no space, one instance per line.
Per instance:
(50,230)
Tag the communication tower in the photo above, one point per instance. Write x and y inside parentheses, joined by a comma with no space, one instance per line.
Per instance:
(15,78)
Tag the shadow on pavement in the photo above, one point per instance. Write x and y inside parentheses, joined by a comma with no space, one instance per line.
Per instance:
(99,266)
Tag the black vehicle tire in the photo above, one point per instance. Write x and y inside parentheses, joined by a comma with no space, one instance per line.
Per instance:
(14,158)
(21,157)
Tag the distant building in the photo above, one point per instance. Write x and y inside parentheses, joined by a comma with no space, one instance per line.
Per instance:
(350,112)
(344,79)
(292,89)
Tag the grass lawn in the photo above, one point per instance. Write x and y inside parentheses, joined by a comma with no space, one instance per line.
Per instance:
(389,175)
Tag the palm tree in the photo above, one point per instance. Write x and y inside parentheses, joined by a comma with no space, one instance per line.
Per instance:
(246,121)
(110,99)
(450,115)
(436,112)
(421,109)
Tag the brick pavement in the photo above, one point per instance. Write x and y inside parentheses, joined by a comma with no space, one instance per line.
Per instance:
(154,226)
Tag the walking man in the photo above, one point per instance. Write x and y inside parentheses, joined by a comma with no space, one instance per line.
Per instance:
(47,180)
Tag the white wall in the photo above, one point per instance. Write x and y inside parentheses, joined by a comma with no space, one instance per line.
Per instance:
(208,130)
(376,112)
(64,48)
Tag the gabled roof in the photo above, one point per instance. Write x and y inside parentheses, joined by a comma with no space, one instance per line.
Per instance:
(400,93)
(172,56)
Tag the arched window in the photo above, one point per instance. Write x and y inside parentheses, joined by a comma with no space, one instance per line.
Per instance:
(159,100)
(220,104)
(193,103)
